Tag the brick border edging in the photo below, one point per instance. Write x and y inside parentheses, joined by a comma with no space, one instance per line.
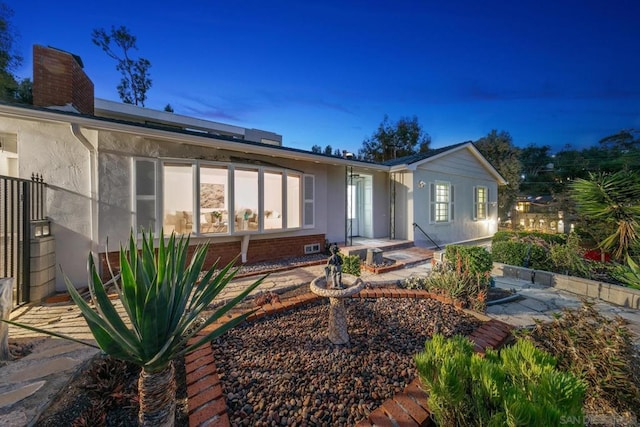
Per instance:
(207,403)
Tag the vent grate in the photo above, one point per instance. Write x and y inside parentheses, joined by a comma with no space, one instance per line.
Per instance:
(313,248)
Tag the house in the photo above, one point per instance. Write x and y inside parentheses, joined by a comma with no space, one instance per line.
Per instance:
(447,195)
(539,213)
(111,167)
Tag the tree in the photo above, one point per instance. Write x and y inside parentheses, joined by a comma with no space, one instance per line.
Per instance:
(328,150)
(135,80)
(168,108)
(499,150)
(166,301)
(12,89)
(394,140)
(537,170)
(316,149)
(611,201)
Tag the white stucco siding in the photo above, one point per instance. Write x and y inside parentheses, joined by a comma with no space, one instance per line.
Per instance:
(464,173)
(51,150)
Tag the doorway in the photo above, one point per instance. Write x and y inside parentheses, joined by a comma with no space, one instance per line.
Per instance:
(359,206)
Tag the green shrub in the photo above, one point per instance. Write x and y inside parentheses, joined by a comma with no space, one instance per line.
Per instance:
(548,238)
(477,259)
(350,264)
(599,350)
(569,258)
(414,283)
(518,386)
(457,281)
(518,253)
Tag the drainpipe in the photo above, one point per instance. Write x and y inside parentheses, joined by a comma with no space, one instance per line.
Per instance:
(93,174)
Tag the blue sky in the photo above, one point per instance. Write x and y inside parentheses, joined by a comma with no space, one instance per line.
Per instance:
(548,72)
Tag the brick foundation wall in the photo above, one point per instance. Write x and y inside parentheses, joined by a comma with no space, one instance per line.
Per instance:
(58,80)
(259,251)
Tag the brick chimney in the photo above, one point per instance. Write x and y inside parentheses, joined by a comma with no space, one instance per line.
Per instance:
(59,81)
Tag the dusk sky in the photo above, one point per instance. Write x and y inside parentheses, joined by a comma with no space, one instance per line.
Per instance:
(326,72)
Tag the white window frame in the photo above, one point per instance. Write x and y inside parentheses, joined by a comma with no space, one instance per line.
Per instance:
(308,201)
(135,198)
(480,206)
(448,204)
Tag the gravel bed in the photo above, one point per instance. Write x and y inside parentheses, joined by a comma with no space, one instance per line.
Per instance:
(277,264)
(282,370)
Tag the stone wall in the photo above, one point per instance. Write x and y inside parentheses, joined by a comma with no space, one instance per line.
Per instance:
(619,295)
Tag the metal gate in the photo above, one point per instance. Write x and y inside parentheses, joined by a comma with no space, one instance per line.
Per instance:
(21,201)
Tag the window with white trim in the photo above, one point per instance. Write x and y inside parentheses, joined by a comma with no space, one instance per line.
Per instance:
(309,201)
(441,201)
(178,198)
(210,198)
(480,202)
(145,194)
(294,196)
(273,198)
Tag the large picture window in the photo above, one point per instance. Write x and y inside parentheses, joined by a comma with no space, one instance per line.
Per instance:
(246,191)
(293,201)
(214,199)
(272,200)
(481,200)
(178,198)
(441,194)
(208,198)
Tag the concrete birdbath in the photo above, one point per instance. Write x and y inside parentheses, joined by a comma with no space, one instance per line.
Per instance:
(351,285)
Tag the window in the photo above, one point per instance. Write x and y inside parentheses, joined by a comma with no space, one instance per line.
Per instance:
(178,198)
(293,201)
(145,194)
(441,202)
(207,198)
(214,199)
(246,199)
(481,199)
(309,183)
(272,200)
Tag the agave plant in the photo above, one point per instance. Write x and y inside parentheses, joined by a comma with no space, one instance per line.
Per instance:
(164,298)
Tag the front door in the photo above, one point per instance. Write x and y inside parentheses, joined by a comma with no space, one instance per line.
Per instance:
(360,206)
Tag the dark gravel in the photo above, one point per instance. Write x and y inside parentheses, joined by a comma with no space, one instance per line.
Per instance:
(282,370)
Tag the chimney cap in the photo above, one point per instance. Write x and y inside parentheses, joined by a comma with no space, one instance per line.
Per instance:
(76,57)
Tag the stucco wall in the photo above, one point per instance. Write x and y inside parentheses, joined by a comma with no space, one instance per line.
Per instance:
(115,189)
(50,149)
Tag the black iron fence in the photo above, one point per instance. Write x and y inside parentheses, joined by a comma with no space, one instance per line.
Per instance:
(22,201)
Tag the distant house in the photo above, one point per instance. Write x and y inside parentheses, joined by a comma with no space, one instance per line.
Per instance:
(539,213)
(114,167)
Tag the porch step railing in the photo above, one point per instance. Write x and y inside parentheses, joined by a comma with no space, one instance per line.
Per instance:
(415,225)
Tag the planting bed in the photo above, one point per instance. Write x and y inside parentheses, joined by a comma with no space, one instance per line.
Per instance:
(282,369)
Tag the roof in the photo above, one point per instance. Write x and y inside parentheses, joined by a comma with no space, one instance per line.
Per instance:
(179,135)
(413,161)
(219,141)
(421,156)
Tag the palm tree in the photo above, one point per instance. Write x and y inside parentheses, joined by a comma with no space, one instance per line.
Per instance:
(611,201)
(164,298)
